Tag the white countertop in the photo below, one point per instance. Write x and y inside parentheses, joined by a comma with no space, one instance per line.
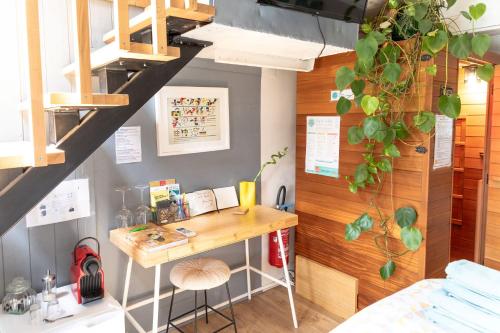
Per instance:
(104,315)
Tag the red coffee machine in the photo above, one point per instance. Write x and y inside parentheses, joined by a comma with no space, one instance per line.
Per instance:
(86,272)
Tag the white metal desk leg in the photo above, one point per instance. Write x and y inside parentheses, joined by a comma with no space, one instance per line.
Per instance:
(127,283)
(156,299)
(247,258)
(287,279)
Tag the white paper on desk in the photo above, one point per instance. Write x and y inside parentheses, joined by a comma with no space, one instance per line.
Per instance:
(443,145)
(128,145)
(226,197)
(201,202)
(70,200)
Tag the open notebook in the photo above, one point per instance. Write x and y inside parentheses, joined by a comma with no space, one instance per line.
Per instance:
(201,202)
(155,238)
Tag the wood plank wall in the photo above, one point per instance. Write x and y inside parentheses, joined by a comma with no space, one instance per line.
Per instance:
(492,240)
(474,100)
(325,205)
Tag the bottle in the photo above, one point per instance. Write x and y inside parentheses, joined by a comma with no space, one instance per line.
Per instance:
(49,293)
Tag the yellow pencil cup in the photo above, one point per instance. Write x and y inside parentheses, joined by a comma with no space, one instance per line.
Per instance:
(247,194)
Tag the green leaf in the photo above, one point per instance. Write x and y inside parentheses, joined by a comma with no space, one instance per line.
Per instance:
(405,216)
(392,151)
(357,87)
(424,26)
(450,3)
(411,237)
(379,37)
(363,66)
(390,136)
(461,46)
(392,72)
(431,70)
(361,173)
(387,270)
(369,104)
(355,135)
(486,72)
(401,129)
(344,77)
(476,11)
(366,27)
(352,232)
(389,53)
(480,44)
(385,165)
(393,4)
(421,11)
(374,128)
(425,121)
(437,42)
(343,105)
(366,48)
(353,187)
(450,105)
(466,15)
(364,222)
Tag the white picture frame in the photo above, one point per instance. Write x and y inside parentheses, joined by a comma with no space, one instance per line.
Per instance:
(192,120)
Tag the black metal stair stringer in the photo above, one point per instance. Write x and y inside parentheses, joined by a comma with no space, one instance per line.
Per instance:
(21,195)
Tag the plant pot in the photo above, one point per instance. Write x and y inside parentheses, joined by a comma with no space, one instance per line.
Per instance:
(247,194)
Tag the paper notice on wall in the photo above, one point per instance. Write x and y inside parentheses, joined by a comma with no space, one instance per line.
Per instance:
(443,145)
(323,146)
(128,145)
(70,200)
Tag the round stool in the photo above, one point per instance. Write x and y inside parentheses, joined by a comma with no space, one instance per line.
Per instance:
(200,274)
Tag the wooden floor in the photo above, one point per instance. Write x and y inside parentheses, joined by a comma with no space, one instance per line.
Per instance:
(269,312)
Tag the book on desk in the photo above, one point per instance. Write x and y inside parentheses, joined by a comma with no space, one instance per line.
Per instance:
(155,238)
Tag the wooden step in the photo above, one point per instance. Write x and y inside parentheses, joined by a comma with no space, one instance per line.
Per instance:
(203,13)
(112,56)
(71,101)
(20,155)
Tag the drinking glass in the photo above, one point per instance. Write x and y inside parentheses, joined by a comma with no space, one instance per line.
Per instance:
(143,212)
(36,314)
(124,218)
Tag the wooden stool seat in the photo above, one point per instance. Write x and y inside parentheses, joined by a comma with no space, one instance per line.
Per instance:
(200,274)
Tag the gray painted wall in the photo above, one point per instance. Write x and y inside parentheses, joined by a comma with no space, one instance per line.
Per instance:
(193,172)
(29,252)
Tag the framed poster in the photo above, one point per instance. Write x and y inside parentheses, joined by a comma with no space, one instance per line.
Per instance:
(192,120)
(323,145)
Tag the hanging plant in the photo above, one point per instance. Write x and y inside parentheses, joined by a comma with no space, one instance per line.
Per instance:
(388,63)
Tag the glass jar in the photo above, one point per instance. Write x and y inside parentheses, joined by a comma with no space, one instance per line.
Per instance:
(19,297)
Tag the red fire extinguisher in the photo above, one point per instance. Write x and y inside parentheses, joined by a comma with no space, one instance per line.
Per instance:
(274,248)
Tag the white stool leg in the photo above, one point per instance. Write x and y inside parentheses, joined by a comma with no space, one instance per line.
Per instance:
(249,282)
(127,283)
(156,299)
(287,279)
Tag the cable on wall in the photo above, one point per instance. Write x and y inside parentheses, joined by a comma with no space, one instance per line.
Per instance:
(322,37)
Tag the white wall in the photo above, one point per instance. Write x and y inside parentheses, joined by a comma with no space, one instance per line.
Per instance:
(277,124)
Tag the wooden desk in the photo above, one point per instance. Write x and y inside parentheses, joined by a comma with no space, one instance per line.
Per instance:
(214,230)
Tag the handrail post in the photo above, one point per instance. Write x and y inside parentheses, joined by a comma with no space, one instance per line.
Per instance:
(121,23)
(81,32)
(36,112)
(159,27)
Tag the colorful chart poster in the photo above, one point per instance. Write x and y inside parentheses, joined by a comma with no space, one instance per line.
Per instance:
(443,144)
(323,145)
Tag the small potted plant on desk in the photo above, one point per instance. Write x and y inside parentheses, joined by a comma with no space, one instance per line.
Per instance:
(247,188)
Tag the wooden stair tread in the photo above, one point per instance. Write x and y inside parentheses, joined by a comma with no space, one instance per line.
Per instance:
(20,154)
(72,101)
(111,54)
(204,13)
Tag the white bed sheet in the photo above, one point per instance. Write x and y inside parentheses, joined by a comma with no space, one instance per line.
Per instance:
(398,313)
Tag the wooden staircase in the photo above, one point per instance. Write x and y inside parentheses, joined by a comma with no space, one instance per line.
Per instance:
(131,72)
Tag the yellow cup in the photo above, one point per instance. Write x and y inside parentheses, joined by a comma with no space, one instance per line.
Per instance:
(247,194)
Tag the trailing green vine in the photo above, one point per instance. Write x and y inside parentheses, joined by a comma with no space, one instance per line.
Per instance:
(385,80)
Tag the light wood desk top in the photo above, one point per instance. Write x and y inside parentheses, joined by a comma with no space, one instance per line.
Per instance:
(213,230)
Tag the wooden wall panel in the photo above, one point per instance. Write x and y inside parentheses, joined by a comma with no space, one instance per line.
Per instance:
(492,239)
(325,204)
(474,98)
